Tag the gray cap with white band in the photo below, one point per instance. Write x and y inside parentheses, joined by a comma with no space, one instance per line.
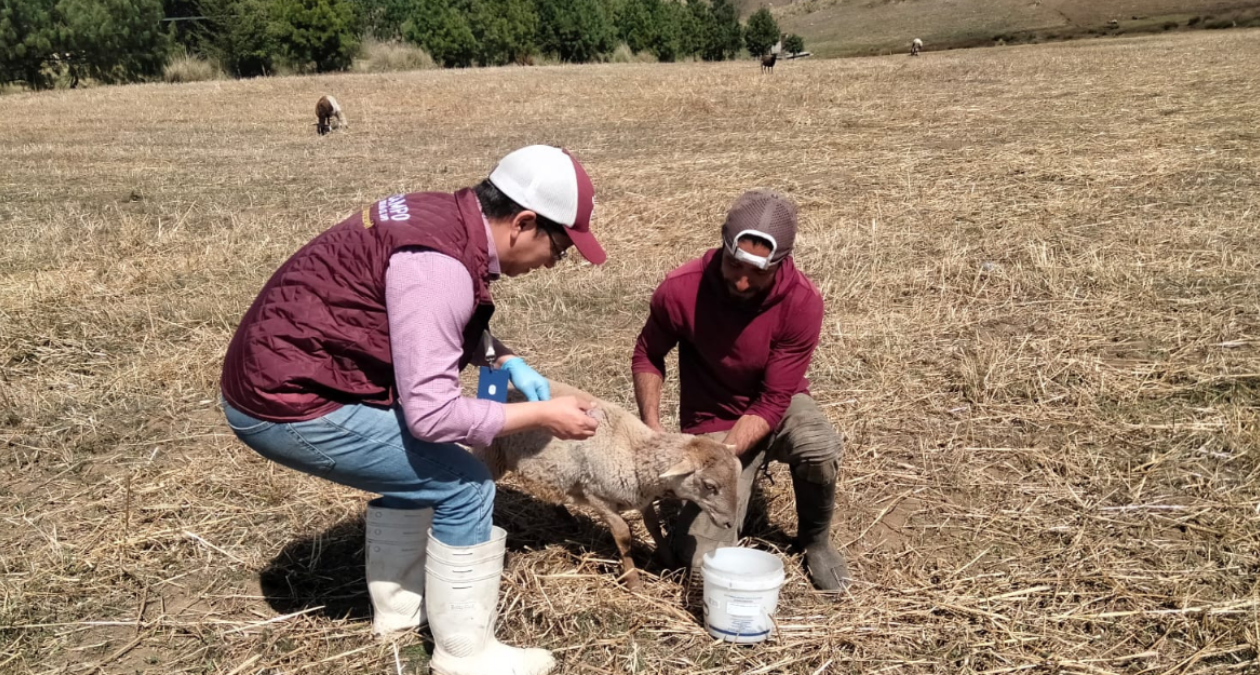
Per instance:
(767,215)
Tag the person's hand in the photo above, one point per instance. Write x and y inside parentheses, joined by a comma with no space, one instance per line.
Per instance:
(570,418)
(527,380)
(655,426)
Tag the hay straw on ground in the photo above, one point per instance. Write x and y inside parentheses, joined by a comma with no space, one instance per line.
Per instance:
(1040,266)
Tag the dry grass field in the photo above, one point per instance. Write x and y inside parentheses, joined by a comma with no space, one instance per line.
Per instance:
(1042,272)
(854,27)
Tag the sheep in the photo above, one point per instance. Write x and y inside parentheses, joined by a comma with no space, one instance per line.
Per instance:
(916,46)
(624,466)
(329,116)
(767,62)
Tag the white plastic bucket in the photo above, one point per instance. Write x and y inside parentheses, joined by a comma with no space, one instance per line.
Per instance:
(741,592)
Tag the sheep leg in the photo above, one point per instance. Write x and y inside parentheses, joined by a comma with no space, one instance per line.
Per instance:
(621,533)
(653,524)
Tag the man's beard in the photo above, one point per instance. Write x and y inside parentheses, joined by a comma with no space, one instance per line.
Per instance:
(748,297)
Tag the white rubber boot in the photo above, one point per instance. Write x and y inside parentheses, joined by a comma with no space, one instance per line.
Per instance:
(396,542)
(463,588)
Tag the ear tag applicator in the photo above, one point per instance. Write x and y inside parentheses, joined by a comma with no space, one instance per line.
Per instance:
(492,383)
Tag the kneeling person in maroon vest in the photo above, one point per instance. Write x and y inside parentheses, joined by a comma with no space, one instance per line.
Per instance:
(347,367)
(746,322)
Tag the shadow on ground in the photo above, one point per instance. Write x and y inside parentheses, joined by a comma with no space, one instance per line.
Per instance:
(326,569)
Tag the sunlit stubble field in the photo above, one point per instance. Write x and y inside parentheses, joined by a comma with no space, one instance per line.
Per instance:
(1040,267)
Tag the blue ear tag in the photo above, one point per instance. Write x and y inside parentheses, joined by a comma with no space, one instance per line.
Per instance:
(492,384)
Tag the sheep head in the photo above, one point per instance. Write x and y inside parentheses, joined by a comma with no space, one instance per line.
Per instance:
(707,475)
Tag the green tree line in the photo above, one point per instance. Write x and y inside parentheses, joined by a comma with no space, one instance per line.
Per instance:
(107,40)
(43,41)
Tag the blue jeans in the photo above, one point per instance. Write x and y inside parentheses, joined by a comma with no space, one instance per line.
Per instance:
(372,450)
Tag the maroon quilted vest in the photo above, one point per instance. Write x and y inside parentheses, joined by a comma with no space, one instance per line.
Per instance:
(317,336)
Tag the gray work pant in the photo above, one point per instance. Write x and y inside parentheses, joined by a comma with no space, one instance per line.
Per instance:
(804,439)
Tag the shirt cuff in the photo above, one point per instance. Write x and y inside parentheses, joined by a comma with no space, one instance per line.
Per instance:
(645,366)
(490,420)
(767,413)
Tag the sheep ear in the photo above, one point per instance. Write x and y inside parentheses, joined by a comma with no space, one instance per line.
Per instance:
(683,468)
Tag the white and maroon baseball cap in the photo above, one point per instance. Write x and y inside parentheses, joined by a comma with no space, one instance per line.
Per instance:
(552,183)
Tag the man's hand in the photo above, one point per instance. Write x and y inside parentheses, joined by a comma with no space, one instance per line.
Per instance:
(569,418)
(527,380)
(747,432)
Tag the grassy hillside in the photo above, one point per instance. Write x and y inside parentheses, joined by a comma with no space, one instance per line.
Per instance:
(1041,343)
(855,27)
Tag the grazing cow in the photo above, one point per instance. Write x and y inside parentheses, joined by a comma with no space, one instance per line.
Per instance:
(767,63)
(916,46)
(329,116)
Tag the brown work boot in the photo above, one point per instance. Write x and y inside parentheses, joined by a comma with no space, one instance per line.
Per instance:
(815,488)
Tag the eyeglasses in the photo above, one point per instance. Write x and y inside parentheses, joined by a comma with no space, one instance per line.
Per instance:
(556,252)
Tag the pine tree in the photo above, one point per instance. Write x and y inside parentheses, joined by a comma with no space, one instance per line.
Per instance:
(383,19)
(112,40)
(505,31)
(28,40)
(236,35)
(636,23)
(443,31)
(319,35)
(761,33)
(793,44)
(577,31)
(695,28)
(183,33)
(670,17)
(723,34)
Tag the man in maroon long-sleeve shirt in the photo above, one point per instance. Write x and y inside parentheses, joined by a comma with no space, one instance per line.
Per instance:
(746,323)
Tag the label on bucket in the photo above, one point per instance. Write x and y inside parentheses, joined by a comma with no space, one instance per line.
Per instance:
(739,618)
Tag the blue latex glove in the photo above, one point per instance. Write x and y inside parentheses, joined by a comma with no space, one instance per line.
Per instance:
(527,380)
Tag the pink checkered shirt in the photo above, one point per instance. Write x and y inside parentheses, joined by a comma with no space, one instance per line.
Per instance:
(429,300)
